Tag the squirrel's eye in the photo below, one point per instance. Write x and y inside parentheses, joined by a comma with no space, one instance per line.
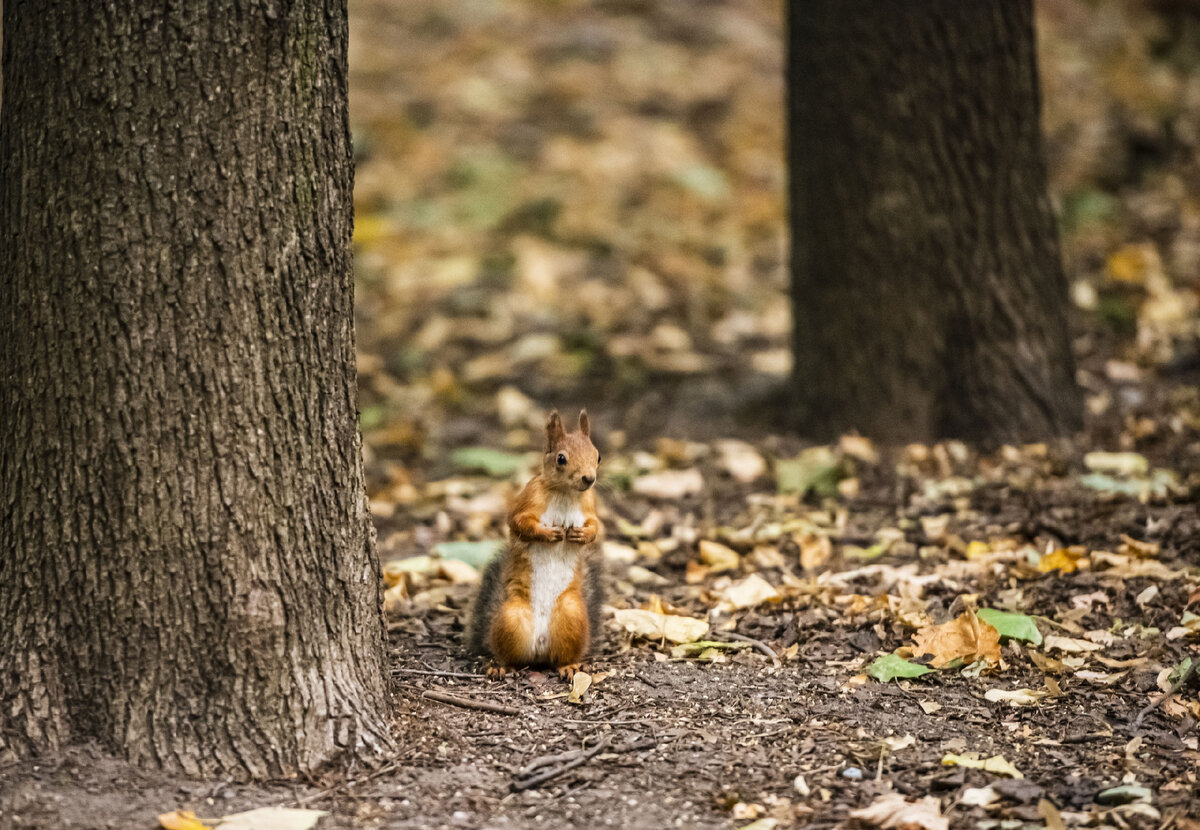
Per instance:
(597,458)
(562,460)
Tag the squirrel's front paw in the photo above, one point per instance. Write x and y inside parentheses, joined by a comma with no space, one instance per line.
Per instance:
(495,671)
(581,535)
(553,534)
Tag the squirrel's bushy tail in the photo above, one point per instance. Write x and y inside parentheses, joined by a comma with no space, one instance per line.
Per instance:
(487,603)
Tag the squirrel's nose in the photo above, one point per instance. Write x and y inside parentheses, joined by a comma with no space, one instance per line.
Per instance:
(588,480)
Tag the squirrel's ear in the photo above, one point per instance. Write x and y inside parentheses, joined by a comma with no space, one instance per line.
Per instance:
(554,430)
(585,425)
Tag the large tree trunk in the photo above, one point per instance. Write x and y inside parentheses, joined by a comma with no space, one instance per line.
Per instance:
(928,292)
(186,563)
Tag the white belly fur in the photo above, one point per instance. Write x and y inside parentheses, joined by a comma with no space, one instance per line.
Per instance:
(553,568)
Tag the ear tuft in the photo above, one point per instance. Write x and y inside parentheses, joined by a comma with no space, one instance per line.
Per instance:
(554,430)
(585,425)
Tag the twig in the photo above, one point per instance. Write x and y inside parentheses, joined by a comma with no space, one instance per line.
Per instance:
(580,758)
(577,759)
(430,673)
(471,703)
(758,644)
(1175,687)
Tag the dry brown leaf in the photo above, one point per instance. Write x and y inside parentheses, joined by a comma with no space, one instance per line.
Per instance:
(741,460)
(1069,644)
(580,683)
(966,637)
(895,811)
(656,626)
(748,592)
(669,485)
(997,764)
(815,550)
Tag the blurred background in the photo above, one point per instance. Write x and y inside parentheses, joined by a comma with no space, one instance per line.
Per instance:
(582,204)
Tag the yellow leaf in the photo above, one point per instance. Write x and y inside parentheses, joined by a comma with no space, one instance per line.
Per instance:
(580,683)
(996,764)
(181,820)
(978,550)
(717,557)
(1065,560)
(966,637)
(1131,263)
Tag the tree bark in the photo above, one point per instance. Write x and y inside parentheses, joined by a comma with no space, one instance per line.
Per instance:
(186,561)
(928,292)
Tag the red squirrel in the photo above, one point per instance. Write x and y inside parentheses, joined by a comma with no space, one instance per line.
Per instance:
(539,599)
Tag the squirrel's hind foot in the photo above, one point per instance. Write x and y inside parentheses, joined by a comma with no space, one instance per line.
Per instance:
(496,671)
(567,672)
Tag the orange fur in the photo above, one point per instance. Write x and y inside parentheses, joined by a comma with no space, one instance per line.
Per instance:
(510,637)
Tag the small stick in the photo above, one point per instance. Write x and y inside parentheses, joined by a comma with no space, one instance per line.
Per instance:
(1175,687)
(579,760)
(758,644)
(462,674)
(471,703)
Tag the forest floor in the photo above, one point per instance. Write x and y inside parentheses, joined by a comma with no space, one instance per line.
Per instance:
(489,290)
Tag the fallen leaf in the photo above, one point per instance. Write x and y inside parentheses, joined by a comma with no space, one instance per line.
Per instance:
(817,469)
(475,554)
(494,463)
(1117,463)
(272,818)
(457,572)
(979,796)
(895,811)
(1070,644)
(698,648)
(1065,560)
(741,460)
(718,558)
(929,706)
(580,683)
(815,550)
(1011,626)
(669,485)
(761,824)
(996,764)
(1014,697)
(1050,814)
(966,637)
(644,576)
(889,667)
(748,592)
(655,626)
(181,820)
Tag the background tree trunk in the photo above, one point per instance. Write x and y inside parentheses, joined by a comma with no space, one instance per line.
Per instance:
(928,293)
(186,570)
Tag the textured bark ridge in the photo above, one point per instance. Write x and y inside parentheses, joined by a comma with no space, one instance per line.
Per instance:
(186,563)
(928,291)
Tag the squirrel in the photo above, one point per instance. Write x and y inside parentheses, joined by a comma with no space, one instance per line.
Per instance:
(539,599)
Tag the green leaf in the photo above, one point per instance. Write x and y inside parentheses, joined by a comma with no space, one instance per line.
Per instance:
(475,554)
(888,667)
(494,463)
(817,469)
(1011,626)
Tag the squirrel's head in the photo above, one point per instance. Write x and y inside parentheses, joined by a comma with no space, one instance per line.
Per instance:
(571,458)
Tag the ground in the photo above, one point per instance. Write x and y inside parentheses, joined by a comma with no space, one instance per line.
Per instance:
(490,289)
